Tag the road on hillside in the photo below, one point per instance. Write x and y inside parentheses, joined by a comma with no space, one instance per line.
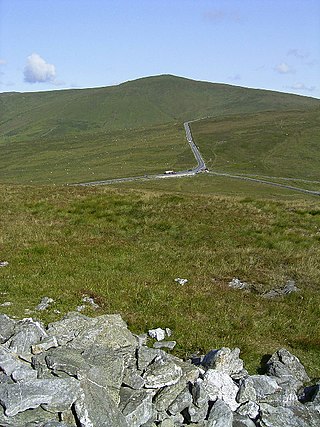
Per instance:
(201,167)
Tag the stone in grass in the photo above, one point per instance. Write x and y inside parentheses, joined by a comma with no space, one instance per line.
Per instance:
(44,303)
(158,334)
(4,263)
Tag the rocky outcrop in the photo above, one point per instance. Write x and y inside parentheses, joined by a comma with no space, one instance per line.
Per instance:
(93,372)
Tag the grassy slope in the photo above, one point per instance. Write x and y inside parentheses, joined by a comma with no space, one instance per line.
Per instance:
(80,135)
(126,247)
(281,144)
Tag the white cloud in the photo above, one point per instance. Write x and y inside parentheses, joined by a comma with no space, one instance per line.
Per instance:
(284,68)
(38,70)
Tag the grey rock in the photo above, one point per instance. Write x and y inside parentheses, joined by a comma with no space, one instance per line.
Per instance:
(242,421)
(236,283)
(9,362)
(256,388)
(141,339)
(106,369)
(289,288)
(4,263)
(224,360)
(133,379)
(158,334)
(250,409)
(24,373)
(287,368)
(7,326)
(146,356)
(44,345)
(44,303)
(28,332)
(165,344)
(95,407)
(4,378)
(219,385)
(167,395)
(297,416)
(30,418)
(181,402)
(220,415)
(168,332)
(66,360)
(57,393)
(137,407)
(91,301)
(196,413)
(162,373)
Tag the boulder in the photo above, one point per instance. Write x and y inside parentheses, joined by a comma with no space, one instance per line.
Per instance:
(162,372)
(220,415)
(219,385)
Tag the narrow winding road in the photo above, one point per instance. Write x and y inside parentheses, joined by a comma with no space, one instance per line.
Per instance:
(201,167)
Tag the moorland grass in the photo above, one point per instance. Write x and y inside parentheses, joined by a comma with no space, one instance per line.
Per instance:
(125,248)
(278,144)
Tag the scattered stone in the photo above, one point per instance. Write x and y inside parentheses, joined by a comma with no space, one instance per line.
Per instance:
(91,302)
(289,288)
(6,304)
(4,263)
(158,334)
(181,281)
(237,284)
(44,303)
(165,344)
(168,332)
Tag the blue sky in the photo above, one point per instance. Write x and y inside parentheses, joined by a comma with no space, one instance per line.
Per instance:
(58,44)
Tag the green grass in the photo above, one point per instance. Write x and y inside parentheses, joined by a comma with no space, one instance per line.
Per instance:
(280,144)
(136,128)
(125,247)
(86,157)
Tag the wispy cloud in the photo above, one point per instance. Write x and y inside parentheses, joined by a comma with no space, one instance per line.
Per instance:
(216,16)
(297,53)
(37,70)
(284,68)
(302,87)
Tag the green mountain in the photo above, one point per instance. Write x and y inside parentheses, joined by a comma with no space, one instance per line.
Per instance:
(143,102)
(131,129)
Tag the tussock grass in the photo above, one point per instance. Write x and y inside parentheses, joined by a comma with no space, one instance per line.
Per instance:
(125,247)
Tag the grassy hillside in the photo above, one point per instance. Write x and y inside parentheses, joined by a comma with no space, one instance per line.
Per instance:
(143,102)
(279,144)
(125,248)
(131,129)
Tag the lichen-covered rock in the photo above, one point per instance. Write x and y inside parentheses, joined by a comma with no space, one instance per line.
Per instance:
(219,385)
(287,368)
(297,416)
(256,388)
(27,333)
(161,373)
(7,326)
(95,407)
(224,360)
(136,406)
(55,393)
(220,415)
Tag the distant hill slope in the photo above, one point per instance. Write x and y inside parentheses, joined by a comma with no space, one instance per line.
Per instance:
(139,103)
